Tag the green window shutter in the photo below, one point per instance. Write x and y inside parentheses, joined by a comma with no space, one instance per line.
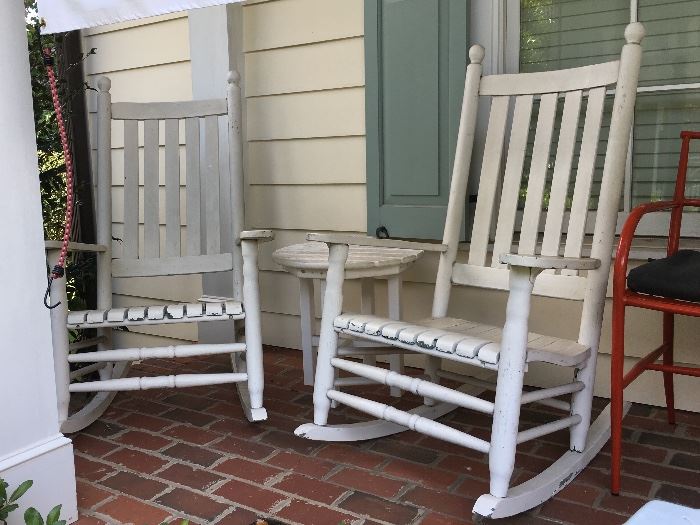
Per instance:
(415,60)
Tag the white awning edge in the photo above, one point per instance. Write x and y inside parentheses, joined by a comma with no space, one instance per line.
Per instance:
(66,15)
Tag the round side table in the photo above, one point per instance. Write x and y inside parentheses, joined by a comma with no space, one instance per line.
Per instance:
(309,262)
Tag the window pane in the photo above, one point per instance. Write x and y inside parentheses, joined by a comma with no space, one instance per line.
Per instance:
(672,45)
(558,34)
(659,120)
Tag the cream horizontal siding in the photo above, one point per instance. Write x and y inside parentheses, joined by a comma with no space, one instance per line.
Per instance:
(147,60)
(304,84)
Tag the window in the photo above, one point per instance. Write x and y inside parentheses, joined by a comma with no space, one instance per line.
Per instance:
(554,34)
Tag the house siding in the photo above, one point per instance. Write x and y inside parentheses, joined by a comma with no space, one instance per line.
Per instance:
(304,88)
(146,60)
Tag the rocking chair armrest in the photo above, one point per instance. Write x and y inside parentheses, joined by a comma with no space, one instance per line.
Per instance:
(75,246)
(257,235)
(550,262)
(360,240)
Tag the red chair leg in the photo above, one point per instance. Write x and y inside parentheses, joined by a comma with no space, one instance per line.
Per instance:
(617,364)
(668,361)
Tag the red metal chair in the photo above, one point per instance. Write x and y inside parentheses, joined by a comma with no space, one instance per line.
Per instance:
(670,285)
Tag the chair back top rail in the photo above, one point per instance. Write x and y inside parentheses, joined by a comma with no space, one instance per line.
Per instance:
(560,81)
(168,110)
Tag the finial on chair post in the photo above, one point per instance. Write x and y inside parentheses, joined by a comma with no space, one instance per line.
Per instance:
(104,84)
(634,33)
(234,77)
(476,54)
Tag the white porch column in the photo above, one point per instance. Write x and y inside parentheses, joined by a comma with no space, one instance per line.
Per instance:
(216,49)
(31,446)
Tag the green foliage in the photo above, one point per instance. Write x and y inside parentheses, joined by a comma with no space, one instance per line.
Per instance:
(52,168)
(52,171)
(31,515)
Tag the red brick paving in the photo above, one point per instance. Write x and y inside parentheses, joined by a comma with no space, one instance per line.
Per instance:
(158,456)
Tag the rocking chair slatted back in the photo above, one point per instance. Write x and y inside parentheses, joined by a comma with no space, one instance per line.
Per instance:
(556,101)
(213,201)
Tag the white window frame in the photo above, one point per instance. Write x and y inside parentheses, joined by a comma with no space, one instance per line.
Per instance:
(505,41)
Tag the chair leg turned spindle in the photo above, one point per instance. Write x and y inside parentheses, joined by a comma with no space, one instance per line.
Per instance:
(668,361)
(328,341)
(511,371)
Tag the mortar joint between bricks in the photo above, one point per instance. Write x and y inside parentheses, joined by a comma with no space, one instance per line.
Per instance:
(273,480)
(332,472)
(404,490)
(422,513)
(281,504)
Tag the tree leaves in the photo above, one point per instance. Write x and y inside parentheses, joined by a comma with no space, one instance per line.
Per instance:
(19,491)
(32,517)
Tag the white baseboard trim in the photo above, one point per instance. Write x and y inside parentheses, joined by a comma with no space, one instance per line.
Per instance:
(49,464)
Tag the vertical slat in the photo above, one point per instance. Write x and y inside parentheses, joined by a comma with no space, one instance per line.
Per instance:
(490,168)
(192,187)
(131,189)
(211,184)
(225,217)
(584,174)
(234,133)
(538,174)
(562,173)
(172,188)
(513,177)
(151,238)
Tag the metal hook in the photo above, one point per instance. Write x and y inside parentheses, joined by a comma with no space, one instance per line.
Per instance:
(46,295)
(382,232)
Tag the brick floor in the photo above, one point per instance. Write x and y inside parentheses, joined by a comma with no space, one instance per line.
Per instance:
(167,455)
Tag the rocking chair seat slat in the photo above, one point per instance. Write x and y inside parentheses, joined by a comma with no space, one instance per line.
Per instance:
(458,339)
(156,314)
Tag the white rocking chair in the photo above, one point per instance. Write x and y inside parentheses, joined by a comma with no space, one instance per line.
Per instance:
(214,242)
(555,268)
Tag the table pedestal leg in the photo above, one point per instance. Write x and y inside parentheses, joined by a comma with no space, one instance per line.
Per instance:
(306,308)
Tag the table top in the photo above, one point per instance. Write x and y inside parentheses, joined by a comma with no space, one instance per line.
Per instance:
(313,256)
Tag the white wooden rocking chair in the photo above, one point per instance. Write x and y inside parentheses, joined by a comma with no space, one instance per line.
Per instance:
(214,242)
(555,269)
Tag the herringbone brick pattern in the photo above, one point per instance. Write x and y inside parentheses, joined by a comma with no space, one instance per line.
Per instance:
(160,455)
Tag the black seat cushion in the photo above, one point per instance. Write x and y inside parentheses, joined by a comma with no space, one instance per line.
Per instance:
(675,277)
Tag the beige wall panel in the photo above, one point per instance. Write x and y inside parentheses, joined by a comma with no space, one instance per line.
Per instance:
(163,83)
(141,46)
(326,65)
(180,289)
(279,293)
(335,113)
(281,330)
(293,22)
(132,24)
(139,340)
(336,160)
(185,331)
(335,207)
